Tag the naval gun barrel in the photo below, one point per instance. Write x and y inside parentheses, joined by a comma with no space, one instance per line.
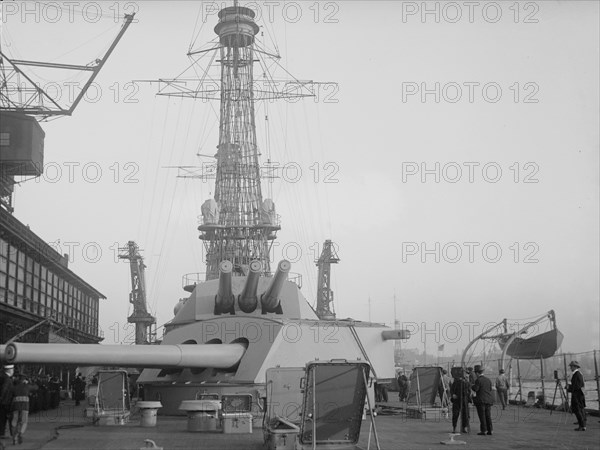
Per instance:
(388,335)
(270,299)
(219,356)
(248,299)
(225,299)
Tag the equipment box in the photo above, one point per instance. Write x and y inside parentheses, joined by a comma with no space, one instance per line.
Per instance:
(237,423)
(282,435)
(203,415)
(236,403)
(201,421)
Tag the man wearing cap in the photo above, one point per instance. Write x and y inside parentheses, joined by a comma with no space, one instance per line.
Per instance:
(20,407)
(483,401)
(577,395)
(502,386)
(6,397)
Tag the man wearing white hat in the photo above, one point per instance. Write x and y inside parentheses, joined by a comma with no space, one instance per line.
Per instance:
(577,395)
(6,397)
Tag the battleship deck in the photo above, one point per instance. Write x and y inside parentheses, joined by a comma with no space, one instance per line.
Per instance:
(515,428)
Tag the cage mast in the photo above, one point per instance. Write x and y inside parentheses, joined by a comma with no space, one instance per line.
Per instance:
(238,223)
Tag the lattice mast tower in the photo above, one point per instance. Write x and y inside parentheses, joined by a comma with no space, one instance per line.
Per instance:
(238,224)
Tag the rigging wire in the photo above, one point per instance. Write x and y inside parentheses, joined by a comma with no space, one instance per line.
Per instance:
(157,280)
(194,33)
(156,172)
(147,162)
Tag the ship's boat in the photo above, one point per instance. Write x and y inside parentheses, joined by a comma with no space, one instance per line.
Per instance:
(542,345)
(539,345)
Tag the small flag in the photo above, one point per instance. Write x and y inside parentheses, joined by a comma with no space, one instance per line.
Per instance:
(441,348)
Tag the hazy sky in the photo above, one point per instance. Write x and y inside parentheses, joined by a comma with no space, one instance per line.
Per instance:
(455,166)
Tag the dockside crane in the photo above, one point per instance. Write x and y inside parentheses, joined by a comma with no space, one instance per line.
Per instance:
(23,104)
(142,319)
(328,257)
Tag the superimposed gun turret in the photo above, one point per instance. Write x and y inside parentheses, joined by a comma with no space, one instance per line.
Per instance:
(219,356)
(224,300)
(270,300)
(248,300)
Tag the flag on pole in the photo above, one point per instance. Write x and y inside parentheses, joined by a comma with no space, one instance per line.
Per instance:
(441,348)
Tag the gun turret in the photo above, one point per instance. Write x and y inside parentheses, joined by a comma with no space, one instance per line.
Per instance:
(270,299)
(219,356)
(248,300)
(224,300)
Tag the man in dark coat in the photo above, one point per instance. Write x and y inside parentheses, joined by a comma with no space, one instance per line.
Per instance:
(78,389)
(402,387)
(460,396)
(483,401)
(577,395)
(6,398)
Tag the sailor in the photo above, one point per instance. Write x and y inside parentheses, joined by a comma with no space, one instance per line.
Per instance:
(577,395)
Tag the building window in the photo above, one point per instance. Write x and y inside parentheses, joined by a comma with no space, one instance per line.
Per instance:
(13,253)
(4,139)
(11,284)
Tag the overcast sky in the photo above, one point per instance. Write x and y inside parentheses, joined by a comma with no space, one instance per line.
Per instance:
(454,164)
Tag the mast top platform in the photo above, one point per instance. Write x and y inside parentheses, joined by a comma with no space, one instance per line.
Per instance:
(236,27)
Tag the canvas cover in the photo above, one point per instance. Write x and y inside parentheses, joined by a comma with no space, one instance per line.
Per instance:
(424,387)
(333,404)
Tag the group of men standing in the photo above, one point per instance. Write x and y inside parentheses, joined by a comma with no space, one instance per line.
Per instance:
(473,386)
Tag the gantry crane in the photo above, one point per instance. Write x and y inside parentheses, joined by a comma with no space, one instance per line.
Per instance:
(24,103)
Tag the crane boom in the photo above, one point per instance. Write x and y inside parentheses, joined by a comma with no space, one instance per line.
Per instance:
(324,292)
(142,319)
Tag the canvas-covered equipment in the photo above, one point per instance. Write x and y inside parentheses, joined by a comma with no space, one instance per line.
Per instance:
(320,406)
(112,405)
(426,385)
